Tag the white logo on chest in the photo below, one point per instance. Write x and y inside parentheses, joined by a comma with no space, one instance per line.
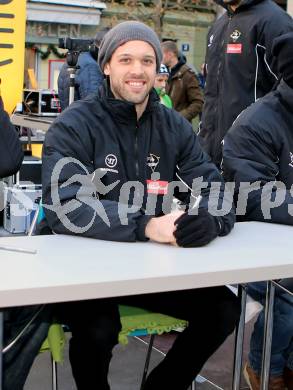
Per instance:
(111,160)
(153,161)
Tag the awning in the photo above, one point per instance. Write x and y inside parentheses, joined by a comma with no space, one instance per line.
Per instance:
(74,3)
(85,12)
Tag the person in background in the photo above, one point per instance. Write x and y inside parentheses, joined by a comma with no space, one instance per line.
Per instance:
(88,76)
(160,86)
(239,64)
(202,76)
(183,87)
(258,149)
(18,357)
(11,154)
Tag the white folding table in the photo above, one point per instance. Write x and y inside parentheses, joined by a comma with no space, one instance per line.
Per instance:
(68,268)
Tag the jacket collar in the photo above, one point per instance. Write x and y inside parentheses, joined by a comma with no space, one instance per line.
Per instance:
(244,4)
(176,68)
(183,69)
(124,111)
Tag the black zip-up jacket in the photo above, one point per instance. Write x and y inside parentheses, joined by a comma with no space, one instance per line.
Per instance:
(240,66)
(259,147)
(103,132)
(11,154)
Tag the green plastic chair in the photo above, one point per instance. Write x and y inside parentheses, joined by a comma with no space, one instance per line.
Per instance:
(135,322)
(139,322)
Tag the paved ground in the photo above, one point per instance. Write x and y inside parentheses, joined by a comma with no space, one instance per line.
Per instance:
(127,365)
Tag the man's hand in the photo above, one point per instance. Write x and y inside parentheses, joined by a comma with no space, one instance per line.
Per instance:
(196,230)
(161,229)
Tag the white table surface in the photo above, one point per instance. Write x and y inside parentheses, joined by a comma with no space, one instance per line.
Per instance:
(69,268)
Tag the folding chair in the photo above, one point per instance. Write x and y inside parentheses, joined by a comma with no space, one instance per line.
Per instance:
(135,322)
(138,322)
(55,343)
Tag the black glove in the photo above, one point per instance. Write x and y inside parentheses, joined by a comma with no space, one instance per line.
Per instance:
(196,230)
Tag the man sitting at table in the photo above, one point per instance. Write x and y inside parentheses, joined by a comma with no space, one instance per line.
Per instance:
(258,149)
(110,162)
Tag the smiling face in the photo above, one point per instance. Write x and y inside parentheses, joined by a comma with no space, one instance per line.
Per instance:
(132,71)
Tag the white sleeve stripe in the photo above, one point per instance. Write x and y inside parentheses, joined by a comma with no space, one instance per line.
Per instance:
(197,198)
(257,64)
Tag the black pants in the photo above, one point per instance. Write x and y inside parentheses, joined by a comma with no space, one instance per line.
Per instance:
(95,325)
(212,314)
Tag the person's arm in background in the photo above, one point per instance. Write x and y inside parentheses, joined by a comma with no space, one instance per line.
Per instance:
(11,154)
(194,96)
(280,24)
(89,79)
(249,156)
(63,86)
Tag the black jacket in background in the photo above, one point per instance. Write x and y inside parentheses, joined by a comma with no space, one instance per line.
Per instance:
(102,132)
(235,80)
(11,154)
(259,147)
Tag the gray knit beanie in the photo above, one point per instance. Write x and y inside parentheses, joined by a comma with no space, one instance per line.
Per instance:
(125,32)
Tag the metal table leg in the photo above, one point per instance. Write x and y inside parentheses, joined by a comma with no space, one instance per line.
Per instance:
(239,336)
(268,333)
(1,345)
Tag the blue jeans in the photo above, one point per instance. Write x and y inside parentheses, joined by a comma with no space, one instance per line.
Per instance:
(282,342)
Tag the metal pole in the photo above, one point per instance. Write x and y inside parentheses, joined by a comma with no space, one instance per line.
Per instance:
(72,86)
(147,361)
(1,347)
(34,222)
(268,334)
(239,336)
(54,374)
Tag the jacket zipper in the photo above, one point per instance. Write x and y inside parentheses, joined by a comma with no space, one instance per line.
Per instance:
(224,40)
(220,66)
(136,152)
